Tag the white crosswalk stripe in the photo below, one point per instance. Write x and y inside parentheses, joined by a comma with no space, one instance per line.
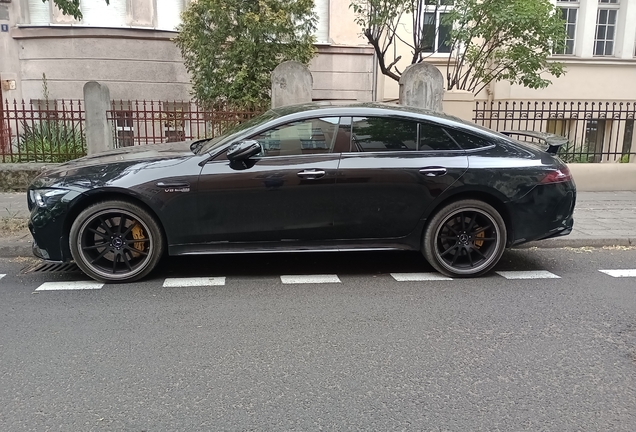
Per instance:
(620,273)
(309,279)
(532,274)
(320,279)
(78,285)
(416,277)
(193,282)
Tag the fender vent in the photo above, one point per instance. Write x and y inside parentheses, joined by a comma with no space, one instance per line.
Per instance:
(48,267)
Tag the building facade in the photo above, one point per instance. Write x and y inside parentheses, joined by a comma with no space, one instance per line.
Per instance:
(127,45)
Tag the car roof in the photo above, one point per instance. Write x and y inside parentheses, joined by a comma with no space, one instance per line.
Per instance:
(339,107)
(326,108)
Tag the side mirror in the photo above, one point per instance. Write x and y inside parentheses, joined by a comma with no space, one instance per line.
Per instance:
(244,150)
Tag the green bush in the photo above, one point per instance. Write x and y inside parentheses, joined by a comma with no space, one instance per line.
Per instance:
(570,153)
(51,141)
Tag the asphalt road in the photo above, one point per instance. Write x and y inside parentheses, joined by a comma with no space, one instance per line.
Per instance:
(367,353)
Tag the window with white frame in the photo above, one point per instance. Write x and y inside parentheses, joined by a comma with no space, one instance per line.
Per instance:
(169,14)
(435,31)
(96,13)
(569,12)
(606,19)
(321,7)
(39,12)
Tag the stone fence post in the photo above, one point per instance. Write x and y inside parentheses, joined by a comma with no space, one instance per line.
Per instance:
(422,86)
(99,136)
(292,84)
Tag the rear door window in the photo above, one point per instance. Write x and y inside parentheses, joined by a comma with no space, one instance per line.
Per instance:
(435,138)
(378,134)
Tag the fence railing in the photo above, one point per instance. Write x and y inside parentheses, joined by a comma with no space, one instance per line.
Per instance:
(149,122)
(54,130)
(597,131)
(42,131)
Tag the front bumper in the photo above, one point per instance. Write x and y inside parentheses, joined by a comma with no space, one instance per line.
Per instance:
(49,231)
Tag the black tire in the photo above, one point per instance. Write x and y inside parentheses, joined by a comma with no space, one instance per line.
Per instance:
(116,241)
(465,238)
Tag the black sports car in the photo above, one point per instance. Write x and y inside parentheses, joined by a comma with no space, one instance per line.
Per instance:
(316,177)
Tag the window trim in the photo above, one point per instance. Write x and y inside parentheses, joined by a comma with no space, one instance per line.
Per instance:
(607,7)
(437,10)
(570,5)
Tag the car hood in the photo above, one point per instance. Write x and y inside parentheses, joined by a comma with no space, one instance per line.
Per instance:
(114,164)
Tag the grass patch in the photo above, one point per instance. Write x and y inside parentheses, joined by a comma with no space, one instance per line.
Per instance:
(13,226)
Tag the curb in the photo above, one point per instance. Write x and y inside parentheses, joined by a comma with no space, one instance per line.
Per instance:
(578,242)
(15,249)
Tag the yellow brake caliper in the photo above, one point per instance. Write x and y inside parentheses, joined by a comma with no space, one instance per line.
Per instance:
(138,234)
(480,243)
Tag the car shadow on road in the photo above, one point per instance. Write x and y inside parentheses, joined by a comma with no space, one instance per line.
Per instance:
(295,263)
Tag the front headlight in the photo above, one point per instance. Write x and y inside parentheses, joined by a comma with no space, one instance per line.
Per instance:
(47,197)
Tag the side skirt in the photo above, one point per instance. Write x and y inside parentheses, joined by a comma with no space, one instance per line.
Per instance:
(239,248)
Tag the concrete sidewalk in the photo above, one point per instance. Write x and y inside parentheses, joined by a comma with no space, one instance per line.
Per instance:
(600,219)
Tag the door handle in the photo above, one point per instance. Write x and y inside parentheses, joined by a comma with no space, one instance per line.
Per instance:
(174,184)
(433,171)
(311,174)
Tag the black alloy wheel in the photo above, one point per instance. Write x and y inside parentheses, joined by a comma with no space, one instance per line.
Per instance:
(116,241)
(465,239)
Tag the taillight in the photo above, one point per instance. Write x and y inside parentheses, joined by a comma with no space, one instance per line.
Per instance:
(557,176)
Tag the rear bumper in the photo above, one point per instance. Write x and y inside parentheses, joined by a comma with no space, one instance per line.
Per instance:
(545,212)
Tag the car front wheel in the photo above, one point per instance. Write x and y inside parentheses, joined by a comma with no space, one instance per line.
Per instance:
(466,238)
(116,241)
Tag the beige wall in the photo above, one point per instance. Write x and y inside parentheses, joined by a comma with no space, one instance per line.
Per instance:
(342,28)
(343,73)
(9,52)
(135,64)
(594,79)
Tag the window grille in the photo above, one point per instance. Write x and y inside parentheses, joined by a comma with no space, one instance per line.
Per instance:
(570,16)
(606,19)
(435,31)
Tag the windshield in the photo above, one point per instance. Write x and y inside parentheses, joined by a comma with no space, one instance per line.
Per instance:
(235,131)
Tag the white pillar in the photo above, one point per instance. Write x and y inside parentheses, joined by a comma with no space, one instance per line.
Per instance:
(586,29)
(626,31)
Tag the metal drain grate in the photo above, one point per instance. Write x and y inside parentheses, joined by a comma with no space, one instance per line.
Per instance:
(47,267)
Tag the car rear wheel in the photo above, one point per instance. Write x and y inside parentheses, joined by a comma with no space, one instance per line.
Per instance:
(466,238)
(116,241)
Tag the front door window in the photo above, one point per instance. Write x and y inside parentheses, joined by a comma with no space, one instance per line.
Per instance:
(314,136)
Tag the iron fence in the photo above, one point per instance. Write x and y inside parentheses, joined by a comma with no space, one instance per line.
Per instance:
(596,131)
(42,131)
(54,130)
(149,122)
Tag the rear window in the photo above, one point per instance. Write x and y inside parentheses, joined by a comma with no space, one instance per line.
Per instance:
(469,141)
